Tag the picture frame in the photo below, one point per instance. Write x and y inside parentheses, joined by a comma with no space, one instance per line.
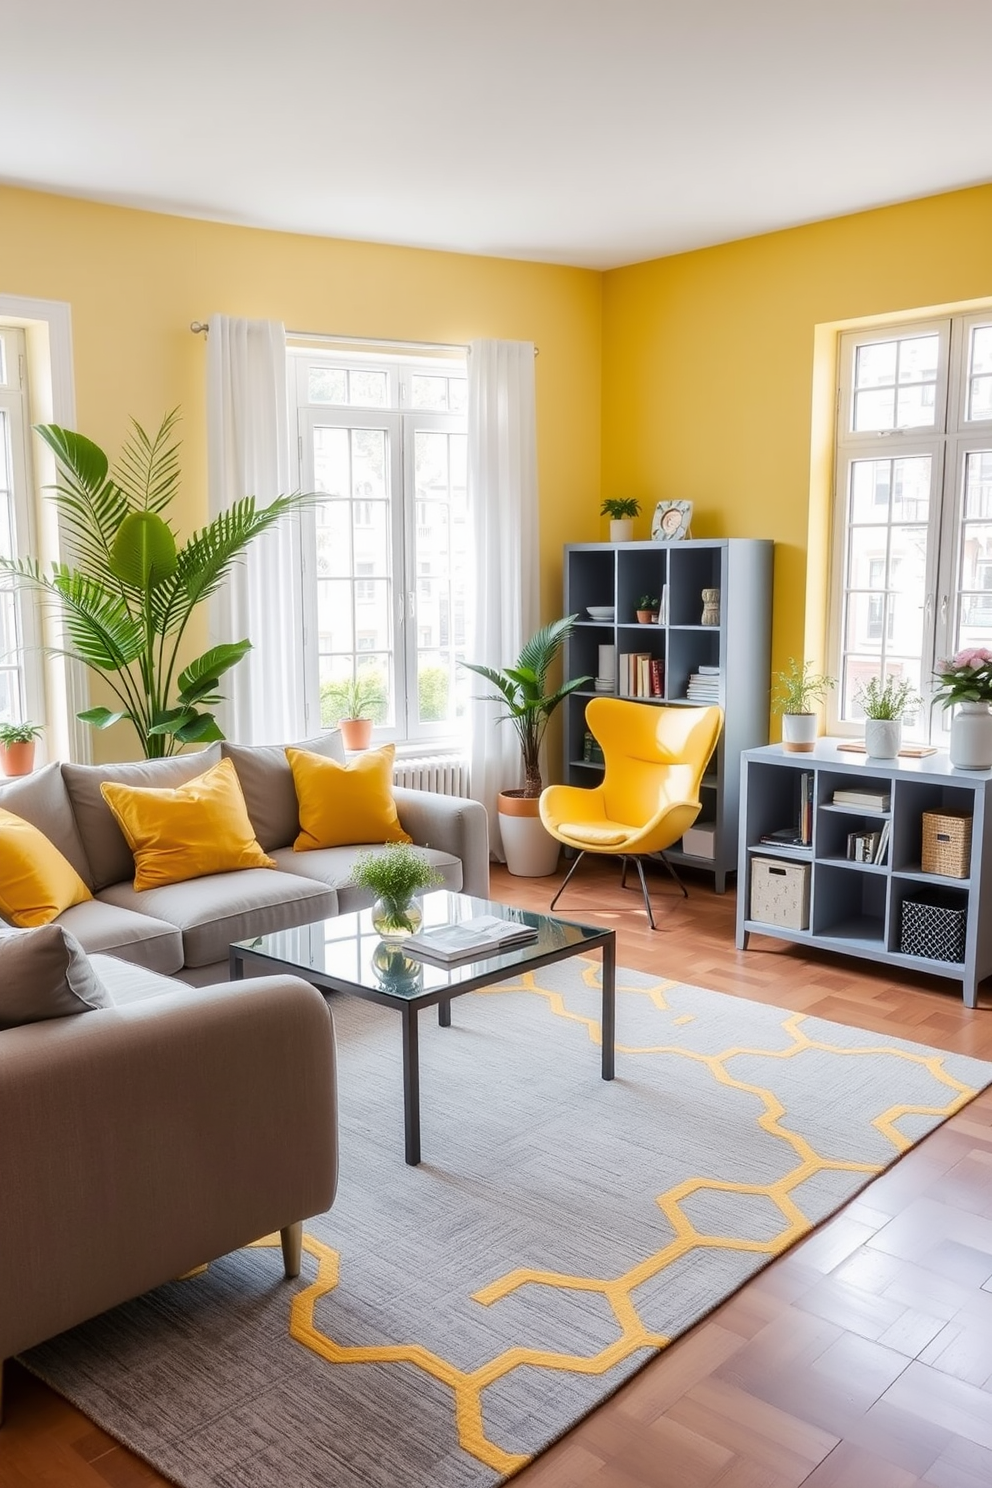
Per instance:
(672,521)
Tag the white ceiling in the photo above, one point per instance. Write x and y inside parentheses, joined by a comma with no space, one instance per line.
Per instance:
(587,132)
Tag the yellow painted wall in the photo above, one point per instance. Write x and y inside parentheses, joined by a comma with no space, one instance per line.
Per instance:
(135,280)
(708,372)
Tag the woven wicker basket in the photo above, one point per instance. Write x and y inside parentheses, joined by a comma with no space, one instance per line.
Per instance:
(947,843)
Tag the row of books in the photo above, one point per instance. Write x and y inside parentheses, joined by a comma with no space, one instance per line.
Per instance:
(641,675)
(868,847)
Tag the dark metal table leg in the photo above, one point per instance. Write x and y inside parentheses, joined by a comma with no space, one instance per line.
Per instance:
(411,1085)
(609,1005)
(444,1013)
(235,965)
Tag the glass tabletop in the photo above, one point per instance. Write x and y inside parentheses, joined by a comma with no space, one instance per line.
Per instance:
(347,948)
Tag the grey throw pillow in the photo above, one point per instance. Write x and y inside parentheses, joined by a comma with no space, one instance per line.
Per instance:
(45,973)
(267,785)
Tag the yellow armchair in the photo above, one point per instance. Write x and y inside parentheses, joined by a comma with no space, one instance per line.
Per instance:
(655,759)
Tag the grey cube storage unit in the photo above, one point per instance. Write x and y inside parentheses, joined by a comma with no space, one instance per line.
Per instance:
(617,575)
(890,911)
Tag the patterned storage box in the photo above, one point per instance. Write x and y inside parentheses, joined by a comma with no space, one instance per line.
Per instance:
(933,925)
(947,843)
(780,893)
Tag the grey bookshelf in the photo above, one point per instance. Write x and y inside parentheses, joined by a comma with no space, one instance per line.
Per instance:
(617,574)
(856,908)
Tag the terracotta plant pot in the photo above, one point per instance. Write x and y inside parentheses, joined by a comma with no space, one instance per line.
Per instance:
(531,851)
(356,733)
(647,617)
(17,759)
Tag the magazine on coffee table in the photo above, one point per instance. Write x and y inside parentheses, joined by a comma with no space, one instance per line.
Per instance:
(466,939)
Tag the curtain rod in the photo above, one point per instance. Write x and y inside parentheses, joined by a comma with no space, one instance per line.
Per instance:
(196,326)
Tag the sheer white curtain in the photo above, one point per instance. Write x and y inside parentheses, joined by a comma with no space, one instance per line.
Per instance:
(502,505)
(248,455)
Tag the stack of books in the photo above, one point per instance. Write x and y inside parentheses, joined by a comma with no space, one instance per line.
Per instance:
(862,800)
(468,940)
(704,685)
(641,675)
(868,847)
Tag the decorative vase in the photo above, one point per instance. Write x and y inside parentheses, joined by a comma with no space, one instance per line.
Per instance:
(883,737)
(711,607)
(799,732)
(17,759)
(395,921)
(971,737)
(356,733)
(621,529)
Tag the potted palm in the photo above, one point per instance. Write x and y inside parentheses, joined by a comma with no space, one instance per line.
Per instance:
(523,694)
(17,746)
(798,688)
(621,510)
(130,590)
(885,702)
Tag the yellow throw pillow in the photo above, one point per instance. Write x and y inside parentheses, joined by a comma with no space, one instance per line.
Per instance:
(343,804)
(36,881)
(198,828)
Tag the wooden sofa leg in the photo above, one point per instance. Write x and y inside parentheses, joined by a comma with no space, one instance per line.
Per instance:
(292,1248)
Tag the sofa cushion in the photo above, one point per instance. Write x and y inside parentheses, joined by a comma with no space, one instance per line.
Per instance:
(190,831)
(36,881)
(124,982)
(45,973)
(109,856)
(137,938)
(267,784)
(212,912)
(333,865)
(345,804)
(42,799)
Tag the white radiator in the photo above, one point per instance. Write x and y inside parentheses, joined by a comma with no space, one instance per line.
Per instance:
(445,773)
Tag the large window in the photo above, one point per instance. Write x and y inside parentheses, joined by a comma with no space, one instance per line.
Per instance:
(913,537)
(386,562)
(21,685)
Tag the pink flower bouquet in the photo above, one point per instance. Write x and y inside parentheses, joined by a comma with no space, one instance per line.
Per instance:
(966,677)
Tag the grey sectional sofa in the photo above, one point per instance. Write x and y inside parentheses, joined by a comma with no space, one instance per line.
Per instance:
(185,929)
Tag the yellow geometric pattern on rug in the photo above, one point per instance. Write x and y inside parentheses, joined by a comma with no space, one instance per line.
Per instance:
(467,1386)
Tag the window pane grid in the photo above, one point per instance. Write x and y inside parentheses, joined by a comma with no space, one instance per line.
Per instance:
(895,384)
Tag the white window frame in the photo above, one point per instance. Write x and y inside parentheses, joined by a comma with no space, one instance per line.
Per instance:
(947,444)
(400,421)
(28,661)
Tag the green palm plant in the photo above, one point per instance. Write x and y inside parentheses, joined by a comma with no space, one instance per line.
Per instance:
(521,691)
(130,591)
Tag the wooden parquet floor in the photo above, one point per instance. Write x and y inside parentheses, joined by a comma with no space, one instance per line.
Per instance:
(861,1359)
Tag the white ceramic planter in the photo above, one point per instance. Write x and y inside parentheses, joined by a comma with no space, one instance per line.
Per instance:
(531,851)
(799,732)
(883,737)
(971,737)
(621,529)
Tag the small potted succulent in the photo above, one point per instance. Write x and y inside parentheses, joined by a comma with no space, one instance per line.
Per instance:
(885,703)
(395,873)
(797,689)
(17,747)
(647,609)
(621,511)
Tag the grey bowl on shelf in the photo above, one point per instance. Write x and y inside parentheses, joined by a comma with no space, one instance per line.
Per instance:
(601,612)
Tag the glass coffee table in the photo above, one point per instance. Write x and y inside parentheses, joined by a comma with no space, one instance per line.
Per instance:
(345,954)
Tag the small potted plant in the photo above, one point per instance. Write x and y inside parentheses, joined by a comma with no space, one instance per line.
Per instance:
(17,746)
(885,703)
(394,874)
(647,609)
(621,511)
(796,690)
(359,699)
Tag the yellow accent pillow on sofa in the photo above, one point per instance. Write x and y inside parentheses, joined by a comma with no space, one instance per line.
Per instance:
(36,881)
(345,804)
(198,828)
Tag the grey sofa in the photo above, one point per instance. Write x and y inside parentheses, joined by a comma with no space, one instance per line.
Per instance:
(185,929)
(148,1136)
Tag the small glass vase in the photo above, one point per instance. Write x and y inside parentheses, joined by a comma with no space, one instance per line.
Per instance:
(395,920)
(971,737)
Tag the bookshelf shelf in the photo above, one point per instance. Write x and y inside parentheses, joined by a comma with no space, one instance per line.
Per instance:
(857,907)
(739,648)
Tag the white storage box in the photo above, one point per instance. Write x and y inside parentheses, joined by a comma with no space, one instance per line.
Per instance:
(780,893)
(700,840)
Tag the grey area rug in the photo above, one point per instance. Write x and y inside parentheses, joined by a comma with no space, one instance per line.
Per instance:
(453,1320)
